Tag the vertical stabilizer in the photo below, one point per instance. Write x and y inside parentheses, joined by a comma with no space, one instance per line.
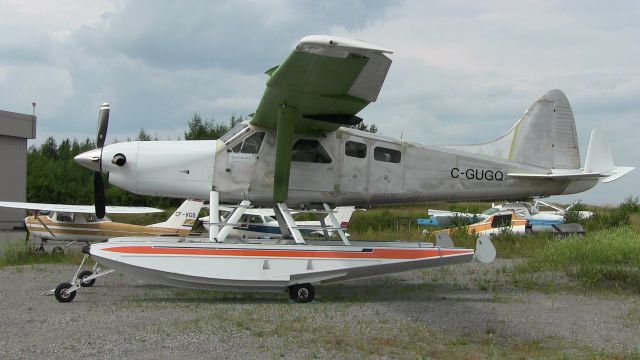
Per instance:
(342,214)
(545,136)
(184,217)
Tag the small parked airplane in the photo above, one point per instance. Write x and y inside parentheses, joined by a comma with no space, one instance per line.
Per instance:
(537,219)
(505,220)
(295,149)
(78,223)
(261,223)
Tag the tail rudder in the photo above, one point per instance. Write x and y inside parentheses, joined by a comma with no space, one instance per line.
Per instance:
(184,217)
(544,136)
(342,214)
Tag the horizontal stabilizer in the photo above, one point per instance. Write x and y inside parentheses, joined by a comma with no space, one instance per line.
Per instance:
(598,164)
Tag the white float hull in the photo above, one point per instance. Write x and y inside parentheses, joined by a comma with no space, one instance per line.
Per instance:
(262,267)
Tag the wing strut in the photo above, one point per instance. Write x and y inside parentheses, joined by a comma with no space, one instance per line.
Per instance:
(287,117)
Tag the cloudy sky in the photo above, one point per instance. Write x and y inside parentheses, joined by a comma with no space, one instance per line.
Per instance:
(463,72)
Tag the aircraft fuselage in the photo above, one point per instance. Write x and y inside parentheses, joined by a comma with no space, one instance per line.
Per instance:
(345,167)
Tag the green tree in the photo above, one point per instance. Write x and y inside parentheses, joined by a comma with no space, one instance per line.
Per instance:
(363,127)
(200,129)
(143,136)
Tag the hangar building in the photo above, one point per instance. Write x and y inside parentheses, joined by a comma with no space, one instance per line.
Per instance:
(15,129)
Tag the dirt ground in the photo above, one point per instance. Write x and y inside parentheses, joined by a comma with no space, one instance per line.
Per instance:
(470,311)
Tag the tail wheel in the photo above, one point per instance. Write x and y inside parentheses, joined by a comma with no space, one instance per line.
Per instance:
(302,293)
(57,250)
(63,294)
(83,275)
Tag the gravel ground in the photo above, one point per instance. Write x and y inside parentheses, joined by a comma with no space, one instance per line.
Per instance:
(437,313)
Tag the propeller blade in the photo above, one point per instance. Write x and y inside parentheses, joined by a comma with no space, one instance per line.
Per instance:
(103,123)
(98,196)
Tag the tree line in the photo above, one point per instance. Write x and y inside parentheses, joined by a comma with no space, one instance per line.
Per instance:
(53,176)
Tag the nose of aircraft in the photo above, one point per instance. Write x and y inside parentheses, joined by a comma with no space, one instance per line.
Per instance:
(89,159)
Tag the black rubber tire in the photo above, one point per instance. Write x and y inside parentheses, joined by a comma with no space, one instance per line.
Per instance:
(62,295)
(302,293)
(57,251)
(84,274)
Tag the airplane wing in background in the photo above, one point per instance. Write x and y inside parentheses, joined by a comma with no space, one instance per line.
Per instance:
(84,209)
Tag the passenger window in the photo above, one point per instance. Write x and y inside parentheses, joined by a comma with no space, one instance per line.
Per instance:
(250,145)
(501,221)
(355,149)
(306,150)
(386,155)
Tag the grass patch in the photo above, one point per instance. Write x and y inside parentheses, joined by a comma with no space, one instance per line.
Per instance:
(608,258)
(18,252)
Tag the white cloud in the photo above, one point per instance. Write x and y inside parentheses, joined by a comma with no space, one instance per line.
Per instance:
(462,71)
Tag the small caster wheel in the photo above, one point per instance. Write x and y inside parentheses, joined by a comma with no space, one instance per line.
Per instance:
(83,275)
(57,251)
(302,293)
(63,294)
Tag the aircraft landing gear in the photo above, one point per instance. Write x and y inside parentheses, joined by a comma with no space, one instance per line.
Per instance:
(302,293)
(66,292)
(58,250)
(83,275)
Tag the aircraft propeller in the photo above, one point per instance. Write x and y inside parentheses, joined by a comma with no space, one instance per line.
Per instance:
(98,184)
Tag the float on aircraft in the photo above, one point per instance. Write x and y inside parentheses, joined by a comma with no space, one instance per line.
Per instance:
(298,149)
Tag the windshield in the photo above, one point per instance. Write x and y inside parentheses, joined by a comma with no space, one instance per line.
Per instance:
(491,211)
(239,128)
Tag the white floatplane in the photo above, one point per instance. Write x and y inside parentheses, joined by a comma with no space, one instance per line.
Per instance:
(298,148)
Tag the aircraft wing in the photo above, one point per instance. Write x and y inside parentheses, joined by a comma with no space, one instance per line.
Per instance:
(84,209)
(327,80)
(437,213)
(319,87)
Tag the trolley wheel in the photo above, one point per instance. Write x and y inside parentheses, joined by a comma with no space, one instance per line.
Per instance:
(57,250)
(302,293)
(63,294)
(83,275)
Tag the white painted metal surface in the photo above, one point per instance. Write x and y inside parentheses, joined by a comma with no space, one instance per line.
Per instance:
(178,262)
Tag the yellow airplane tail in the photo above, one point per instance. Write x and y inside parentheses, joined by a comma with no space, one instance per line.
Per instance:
(184,217)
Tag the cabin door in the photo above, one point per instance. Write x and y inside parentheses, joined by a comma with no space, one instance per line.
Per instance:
(312,168)
(386,168)
(238,163)
(354,174)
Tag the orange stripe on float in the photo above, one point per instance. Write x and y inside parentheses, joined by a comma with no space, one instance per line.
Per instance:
(375,254)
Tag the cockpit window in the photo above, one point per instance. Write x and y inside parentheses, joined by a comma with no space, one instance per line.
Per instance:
(491,211)
(66,217)
(308,150)
(239,128)
(250,145)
